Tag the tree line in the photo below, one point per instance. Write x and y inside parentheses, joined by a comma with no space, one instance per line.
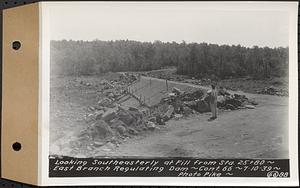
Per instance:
(200,60)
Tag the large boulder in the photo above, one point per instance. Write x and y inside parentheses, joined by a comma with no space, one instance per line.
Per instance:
(168,113)
(202,106)
(207,99)
(126,117)
(197,95)
(137,114)
(111,95)
(221,101)
(132,131)
(199,106)
(234,102)
(152,119)
(109,115)
(172,94)
(230,107)
(116,122)
(91,108)
(252,101)
(145,111)
(177,116)
(103,82)
(222,91)
(121,129)
(105,102)
(98,114)
(177,91)
(160,120)
(191,104)
(187,111)
(100,130)
(150,125)
(133,109)
(241,98)
(178,105)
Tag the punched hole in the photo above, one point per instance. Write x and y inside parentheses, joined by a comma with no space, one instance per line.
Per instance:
(16,45)
(16,146)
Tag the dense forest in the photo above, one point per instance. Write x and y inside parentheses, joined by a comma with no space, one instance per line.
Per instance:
(194,59)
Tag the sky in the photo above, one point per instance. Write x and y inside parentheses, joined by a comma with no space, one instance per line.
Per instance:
(167,22)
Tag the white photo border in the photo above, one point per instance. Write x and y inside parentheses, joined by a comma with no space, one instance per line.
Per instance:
(44,103)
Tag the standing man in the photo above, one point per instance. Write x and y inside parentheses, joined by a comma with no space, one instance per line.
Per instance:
(213,95)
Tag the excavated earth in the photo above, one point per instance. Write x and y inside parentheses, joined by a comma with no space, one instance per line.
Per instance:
(121,114)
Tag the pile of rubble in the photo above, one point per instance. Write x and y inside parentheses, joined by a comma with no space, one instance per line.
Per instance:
(108,109)
(235,101)
(108,127)
(179,104)
(113,90)
(108,123)
(108,81)
(123,79)
(122,121)
(271,90)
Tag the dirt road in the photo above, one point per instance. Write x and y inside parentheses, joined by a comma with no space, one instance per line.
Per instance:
(247,133)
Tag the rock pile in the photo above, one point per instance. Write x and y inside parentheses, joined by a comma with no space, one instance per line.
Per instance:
(119,121)
(234,102)
(179,104)
(271,90)
(108,123)
(109,127)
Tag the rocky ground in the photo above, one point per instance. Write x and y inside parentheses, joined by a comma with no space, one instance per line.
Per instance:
(100,116)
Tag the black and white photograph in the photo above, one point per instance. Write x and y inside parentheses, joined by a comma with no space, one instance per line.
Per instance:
(169,80)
